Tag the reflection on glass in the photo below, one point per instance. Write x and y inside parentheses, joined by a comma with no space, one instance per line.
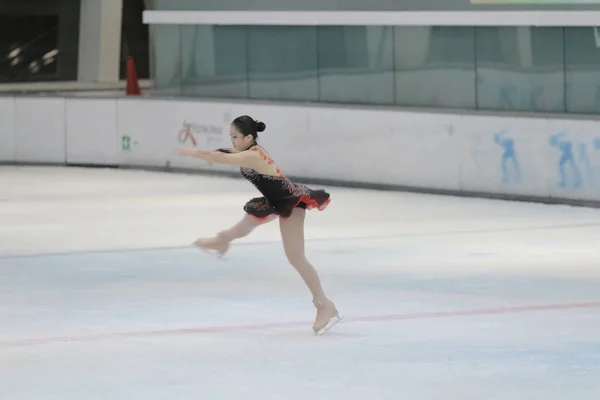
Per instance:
(214,61)
(582,58)
(33,48)
(356,64)
(167,59)
(282,62)
(435,66)
(520,69)
(494,68)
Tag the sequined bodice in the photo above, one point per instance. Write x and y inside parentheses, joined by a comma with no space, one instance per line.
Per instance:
(280,196)
(274,188)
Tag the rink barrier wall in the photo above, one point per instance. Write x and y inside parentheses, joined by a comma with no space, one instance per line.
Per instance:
(542,159)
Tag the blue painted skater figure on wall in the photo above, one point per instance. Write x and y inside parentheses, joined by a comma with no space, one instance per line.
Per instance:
(509,158)
(567,161)
(588,158)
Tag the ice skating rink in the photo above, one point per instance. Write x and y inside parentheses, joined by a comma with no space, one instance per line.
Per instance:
(103,297)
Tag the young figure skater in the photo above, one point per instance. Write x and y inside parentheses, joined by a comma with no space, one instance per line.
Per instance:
(281,199)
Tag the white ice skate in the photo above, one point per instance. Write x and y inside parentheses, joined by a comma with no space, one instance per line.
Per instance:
(327,316)
(330,324)
(216,246)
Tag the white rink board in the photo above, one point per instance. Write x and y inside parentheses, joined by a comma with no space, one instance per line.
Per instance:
(8,144)
(497,155)
(91,126)
(388,147)
(40,129)
(157,128)
(505,155)
(149,128)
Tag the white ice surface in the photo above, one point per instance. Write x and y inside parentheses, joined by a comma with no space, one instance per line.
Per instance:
(102,296)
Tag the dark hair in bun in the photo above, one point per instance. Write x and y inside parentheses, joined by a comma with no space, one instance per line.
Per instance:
(248,126)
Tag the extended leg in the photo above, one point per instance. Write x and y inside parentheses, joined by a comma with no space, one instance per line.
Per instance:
(220,242)
(292,234)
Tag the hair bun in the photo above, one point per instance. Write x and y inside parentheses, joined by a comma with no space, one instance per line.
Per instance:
(260,126)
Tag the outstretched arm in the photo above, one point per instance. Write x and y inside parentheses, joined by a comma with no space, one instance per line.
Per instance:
(247,159)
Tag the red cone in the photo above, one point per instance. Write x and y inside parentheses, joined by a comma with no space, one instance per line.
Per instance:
(133,85)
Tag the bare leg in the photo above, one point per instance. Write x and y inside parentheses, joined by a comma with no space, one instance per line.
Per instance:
(292,234)
(220,242)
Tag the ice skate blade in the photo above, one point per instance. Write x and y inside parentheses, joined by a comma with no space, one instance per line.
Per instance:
(211,252)
(332,322)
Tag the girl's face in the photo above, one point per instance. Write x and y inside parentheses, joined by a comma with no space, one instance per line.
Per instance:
(239,141)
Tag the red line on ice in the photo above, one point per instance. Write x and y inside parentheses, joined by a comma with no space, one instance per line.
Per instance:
(304,324)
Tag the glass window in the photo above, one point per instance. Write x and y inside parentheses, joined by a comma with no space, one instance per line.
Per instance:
(167,59)
(134,37)
(356,64)
(520,68)
(29,47)
(582,58)
(494,68)
(282,62)
(214,61)
(435,66)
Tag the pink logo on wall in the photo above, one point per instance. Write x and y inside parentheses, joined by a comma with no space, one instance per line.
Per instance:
(185,133)
(190,131)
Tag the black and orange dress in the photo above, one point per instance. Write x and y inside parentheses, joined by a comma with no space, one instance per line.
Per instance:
(279,194)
